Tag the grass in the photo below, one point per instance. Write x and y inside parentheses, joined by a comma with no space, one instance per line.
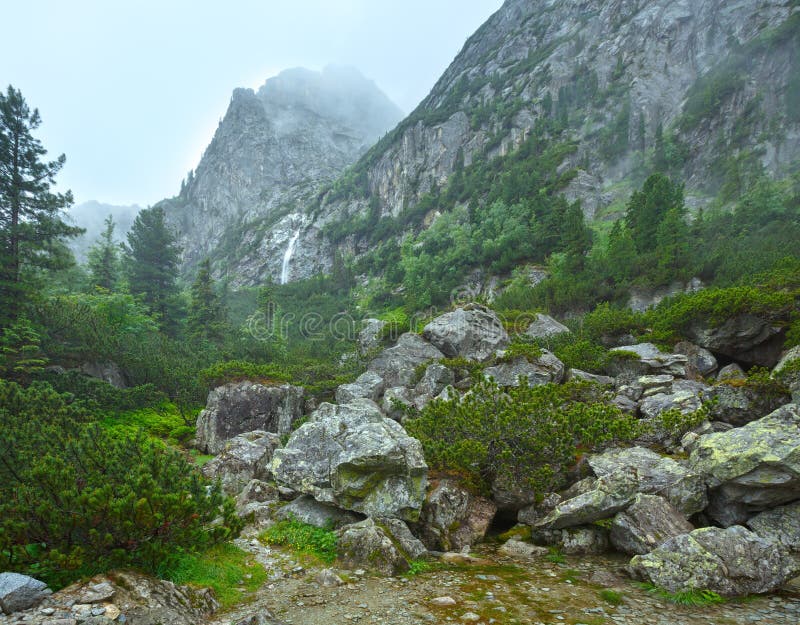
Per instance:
(555,556)
(417,567)
(611,596)
(198,458)
(303,538)
(692,598)
(225,568)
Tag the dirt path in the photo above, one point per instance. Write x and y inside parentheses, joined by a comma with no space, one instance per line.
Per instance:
(493,590)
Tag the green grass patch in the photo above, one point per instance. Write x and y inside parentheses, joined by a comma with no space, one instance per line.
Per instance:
(555,556)
(305,539)
(611,596)
(694,597)
(229,571)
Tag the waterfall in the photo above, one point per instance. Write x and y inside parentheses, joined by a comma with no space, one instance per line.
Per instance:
(287,256)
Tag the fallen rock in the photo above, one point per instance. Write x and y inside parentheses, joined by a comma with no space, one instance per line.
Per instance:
(369,338)
(435,379)
(574,541)
(443,601)
(701,362)
(730,562)
(602,380)
(107,371)
(395,402)
(20,592)
(780,525)
(739,404)
(647,523)
(328,578)
(751,468)
(474,333)
(519,549)
(545,369)
(256,501)
(397,365)
(368,385)
(241,407)
(244,458)
(745,338)
(310,511)
(788,372)
(452,518)
(644,359)
(545,327)
(367,544)
(731,372)
(352,456)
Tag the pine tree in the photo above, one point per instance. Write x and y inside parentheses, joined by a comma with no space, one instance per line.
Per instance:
(647,209)
(31,228)
(207,315)
(20,354)
(153,265)
(621,253)
(576,238)
(672,246)
(103,260)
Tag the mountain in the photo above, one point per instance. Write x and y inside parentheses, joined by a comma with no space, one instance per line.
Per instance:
(91,215)
(271,151)
(547,99)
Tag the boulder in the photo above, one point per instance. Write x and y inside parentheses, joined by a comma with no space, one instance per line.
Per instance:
(452,518)
(577,374)
(411,546)
(241,407)
(369,337)
(701,362)
(745,338)
(367,544)
(751,468)
(352,456)
(257,500)
(739,404)
(644,359)
(107,371)
(647,523)
(731,372)
(311,512)
(435,379)
(20,592)
(545,327)
(474,333)
(730,562)
(245,457)
(368,385)
(520,549)
(545,369)
(780,525)
(574,541)
(395,400)
(397,365)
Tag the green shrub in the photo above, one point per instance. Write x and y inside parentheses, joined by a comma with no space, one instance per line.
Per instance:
(306,539)
(520,347)
(580,353)
(611,596)
(238,370)
(76,499)
(525,435)
(101,396)
(694,597)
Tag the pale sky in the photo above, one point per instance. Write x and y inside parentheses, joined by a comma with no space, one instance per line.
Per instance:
(132,91)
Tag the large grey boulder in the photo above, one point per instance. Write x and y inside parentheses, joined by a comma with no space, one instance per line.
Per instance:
(411,546)
(474,333)
(751,468)
(20,592)
(369,337)
(368,385)
(107,371)
(369,545)
(312,512)
(256,501)
(434,380)
(397,365)
(644,359)
(647,523)
(739,404)
(745,338)
(585,376)
(352,456)
(245,457)
(788,372)
(574,541)
(780,525)
(452,518)
(245,406)
(545,369)
(730,562)
(545,327)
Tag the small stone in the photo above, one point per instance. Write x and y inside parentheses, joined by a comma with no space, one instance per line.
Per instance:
(112,611)
(443,601)
(470,617)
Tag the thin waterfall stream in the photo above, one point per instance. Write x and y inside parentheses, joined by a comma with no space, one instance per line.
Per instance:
(287,256)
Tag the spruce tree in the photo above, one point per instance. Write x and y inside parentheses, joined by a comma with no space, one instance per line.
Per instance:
(153,265)
(207,316)
(647,209)
(103,260)
(31,226)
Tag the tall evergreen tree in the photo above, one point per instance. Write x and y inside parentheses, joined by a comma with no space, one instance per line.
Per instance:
(153,265)
(32,231)
(621,253)
(647,209)
(103,258)
(576,238)
(207,315)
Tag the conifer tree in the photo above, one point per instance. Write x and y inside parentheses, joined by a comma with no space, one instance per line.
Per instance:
(31,226)
(648,208)
(207,315)
(153,265)
(104,259)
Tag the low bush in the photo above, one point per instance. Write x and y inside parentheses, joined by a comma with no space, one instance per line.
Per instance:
(303,538)
(525,435)
(76,498)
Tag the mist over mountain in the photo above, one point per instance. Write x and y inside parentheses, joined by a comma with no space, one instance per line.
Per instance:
(91,215)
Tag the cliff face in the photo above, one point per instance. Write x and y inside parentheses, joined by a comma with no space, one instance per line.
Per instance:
(711,87)
(270,152)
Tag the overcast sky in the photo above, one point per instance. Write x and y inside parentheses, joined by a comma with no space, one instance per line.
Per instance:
(132,91)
